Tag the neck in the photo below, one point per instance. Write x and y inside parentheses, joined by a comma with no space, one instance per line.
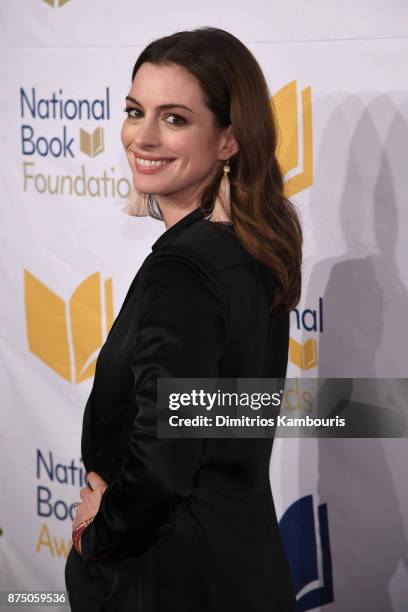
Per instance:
(173,214)
(176,206)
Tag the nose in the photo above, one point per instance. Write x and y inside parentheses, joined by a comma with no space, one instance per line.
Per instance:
(146,133)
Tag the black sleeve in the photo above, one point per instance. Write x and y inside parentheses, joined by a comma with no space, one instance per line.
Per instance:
(181,332)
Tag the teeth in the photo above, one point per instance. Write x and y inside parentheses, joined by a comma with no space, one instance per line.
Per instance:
(148,163)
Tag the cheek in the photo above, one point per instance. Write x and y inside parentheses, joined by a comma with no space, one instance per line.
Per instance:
(125,134)
(196,147)
(180,144)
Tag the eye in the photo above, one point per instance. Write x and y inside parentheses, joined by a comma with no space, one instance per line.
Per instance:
(130,109)
(178,120)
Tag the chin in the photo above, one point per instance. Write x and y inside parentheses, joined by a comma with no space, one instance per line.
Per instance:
(151,187)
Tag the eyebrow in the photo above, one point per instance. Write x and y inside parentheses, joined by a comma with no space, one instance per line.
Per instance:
(162,106)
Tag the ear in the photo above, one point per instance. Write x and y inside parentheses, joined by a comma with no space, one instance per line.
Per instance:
(229,145)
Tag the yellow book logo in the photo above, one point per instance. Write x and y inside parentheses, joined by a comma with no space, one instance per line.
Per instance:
(304,356)
(91,144)
(295,135)
(68,337)
(56,3)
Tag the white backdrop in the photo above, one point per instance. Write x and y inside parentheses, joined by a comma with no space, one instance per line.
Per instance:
(337,73)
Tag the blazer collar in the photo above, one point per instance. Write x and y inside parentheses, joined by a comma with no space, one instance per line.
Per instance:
(174,230)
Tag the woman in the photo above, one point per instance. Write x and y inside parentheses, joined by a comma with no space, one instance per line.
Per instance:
(181,525)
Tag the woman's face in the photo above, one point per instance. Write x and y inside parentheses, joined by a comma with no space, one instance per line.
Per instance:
(169,135)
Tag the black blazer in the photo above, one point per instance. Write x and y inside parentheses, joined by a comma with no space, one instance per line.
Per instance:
(185,524)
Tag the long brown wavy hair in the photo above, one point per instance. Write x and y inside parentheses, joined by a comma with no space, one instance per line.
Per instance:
(235,90)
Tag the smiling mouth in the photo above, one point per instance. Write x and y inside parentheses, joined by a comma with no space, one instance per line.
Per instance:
(148,163)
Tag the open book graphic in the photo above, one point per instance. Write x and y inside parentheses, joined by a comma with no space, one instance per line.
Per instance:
(304,356)
(91,144)
(307,547)
(68,337)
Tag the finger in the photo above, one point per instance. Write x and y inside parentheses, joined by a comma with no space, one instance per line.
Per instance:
(81,516)
(95,480)
(84,493)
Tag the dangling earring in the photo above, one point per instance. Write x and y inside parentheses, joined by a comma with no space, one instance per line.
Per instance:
(222,204)
(137,204)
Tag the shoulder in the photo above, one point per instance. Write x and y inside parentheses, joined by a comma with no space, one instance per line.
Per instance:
(181,271)
(209,253)
(214,246)
(179,292)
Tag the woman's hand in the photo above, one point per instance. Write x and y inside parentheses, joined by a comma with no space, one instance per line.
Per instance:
(91,499)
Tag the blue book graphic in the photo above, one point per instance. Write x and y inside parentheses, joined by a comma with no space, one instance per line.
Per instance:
(298,531)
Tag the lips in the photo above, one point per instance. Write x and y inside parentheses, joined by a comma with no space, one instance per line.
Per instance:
(147,163)
(151,166)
